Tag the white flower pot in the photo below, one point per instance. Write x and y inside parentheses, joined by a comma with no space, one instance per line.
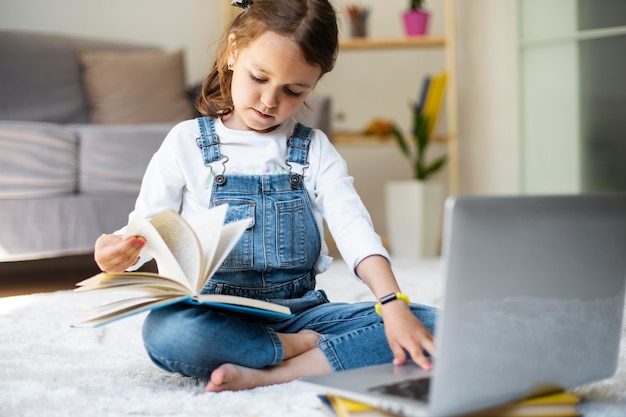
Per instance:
(414,212)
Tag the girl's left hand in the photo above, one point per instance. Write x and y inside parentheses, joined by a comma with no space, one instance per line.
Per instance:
(406,333)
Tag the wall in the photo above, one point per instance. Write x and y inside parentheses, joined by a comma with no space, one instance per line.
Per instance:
(487,71)
(192,25)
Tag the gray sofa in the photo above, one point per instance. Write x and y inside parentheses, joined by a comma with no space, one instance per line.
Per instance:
(78,125)
(64,177)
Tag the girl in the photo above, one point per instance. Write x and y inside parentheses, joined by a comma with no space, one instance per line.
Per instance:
(250,153)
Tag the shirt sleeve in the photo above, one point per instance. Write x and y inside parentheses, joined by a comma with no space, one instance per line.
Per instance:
(347,217)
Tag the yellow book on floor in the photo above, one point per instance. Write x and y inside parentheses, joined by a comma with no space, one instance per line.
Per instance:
(342,407)
(561,404)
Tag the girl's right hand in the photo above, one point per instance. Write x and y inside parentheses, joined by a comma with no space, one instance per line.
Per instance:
(113,253)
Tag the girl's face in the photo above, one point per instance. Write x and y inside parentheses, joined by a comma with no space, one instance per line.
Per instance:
(270,81)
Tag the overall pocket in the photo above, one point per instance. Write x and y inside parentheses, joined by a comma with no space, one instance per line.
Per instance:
(291,232)
(242,254)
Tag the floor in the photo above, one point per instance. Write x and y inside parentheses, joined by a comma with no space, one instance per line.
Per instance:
(46,275)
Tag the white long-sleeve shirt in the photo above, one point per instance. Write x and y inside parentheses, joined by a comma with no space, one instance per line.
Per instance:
(176,178)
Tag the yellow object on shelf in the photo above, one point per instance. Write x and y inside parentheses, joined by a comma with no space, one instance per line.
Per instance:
(433,101)
(385,43)
(380,127)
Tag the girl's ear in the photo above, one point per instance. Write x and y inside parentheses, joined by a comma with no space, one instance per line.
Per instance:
(232,48)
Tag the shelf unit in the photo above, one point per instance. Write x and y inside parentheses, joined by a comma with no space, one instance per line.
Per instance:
(385,43)
(448,43)
(358,137)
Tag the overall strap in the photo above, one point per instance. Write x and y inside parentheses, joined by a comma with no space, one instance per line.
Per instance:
(298,152)
(209,144)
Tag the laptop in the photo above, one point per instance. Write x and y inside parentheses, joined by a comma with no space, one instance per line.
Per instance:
(533,303)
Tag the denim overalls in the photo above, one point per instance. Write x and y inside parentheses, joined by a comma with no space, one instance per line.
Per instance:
(274,260)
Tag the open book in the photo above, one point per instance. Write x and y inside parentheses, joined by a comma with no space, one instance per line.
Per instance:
(186,260)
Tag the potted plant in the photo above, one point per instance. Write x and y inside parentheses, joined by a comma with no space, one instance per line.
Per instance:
(420,136)
(414,207)
(416,19)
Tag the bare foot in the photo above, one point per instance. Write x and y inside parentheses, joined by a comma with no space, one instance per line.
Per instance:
(295,344)
(230,377)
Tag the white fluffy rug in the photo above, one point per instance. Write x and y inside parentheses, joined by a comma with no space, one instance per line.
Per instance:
(49,369)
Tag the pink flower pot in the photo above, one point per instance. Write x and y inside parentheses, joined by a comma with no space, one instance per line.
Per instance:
(415,22)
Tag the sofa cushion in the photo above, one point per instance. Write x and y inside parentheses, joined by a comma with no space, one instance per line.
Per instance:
(113,159)
(40,78)
(136,87)
(37,160)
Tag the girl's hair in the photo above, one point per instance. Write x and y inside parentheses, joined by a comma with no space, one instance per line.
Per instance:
(312,24)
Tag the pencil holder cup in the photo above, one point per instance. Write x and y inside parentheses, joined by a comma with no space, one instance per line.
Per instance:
(358,26)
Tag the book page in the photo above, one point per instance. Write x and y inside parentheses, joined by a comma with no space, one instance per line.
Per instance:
(128,280)
(124,308)
(182,242)
(180,258)
(231,233)
(157,249)
(208,229)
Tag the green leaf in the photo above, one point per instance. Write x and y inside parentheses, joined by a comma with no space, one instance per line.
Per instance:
(419,135)
(435,166)
(421,132)
(404,148)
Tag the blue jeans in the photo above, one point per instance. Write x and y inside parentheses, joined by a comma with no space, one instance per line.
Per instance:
(194,340)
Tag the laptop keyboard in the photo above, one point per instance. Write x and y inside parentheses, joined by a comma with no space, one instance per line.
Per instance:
(416,389)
